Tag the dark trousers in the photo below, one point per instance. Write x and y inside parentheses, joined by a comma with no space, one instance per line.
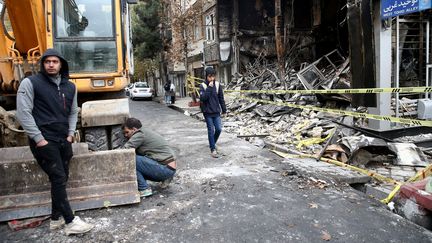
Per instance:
(214,129)
(54,159)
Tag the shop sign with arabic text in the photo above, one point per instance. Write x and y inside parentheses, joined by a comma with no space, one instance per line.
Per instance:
(392,8)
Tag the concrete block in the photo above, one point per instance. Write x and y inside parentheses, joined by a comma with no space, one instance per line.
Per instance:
(96,179)
(104,112)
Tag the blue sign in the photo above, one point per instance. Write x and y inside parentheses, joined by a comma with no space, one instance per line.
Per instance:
(392,8)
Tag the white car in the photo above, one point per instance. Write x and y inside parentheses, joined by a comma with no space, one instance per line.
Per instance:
(141,90)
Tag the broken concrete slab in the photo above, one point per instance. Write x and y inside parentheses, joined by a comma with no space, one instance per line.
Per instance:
(327,172)
(97,179)
(408,154)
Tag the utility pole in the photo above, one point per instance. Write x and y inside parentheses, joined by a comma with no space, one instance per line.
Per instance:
(236,51)
(278,36)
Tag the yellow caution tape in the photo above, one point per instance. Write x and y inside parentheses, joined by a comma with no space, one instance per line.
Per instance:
(310,141)
(414,122)
(391,195)
(420,175)
(338,163)
(423,89)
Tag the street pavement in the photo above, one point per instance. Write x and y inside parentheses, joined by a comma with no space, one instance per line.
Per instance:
(247,195)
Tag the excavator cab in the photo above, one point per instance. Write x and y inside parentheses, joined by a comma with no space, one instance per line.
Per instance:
(94,37)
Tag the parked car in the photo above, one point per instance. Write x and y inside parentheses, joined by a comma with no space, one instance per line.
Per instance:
(127,89)
(141,90)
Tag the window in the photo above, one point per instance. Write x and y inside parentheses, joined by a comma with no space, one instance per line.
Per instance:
(210,27)
(198,30)
(141,85)
(85,35)
(84,18)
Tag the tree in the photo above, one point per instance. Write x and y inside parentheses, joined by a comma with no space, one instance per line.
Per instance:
(145,26)
(144,68)
(180,21)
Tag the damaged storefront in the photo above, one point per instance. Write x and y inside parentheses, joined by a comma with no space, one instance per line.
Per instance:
(286,33)
(326,45)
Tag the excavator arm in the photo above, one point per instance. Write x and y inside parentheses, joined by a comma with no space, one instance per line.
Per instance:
(20,46)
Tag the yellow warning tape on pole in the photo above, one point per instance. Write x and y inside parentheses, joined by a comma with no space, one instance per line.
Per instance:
(338,163)
(423,89)
(414,122)
(420,175)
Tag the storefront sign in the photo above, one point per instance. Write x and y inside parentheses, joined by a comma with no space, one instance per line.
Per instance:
(392,8)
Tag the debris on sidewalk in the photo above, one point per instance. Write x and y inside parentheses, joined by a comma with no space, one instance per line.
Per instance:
(311,132)
(415,203)
(291,127)
(16,225)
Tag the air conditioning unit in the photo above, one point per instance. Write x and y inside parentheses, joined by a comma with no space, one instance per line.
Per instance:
(424,109)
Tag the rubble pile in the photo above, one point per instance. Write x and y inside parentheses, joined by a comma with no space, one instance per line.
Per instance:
(291,127)
(316,133)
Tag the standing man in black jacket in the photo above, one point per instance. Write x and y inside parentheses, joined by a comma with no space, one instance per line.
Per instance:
(212,104)
(47,110)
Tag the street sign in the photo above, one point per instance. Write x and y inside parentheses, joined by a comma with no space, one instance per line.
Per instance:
(392,8)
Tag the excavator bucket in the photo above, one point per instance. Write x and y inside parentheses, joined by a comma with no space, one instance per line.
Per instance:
(96,180)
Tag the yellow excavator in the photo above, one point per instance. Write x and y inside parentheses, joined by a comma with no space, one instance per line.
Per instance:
(95,38)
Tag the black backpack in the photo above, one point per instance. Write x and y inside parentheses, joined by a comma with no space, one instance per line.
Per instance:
(167,87)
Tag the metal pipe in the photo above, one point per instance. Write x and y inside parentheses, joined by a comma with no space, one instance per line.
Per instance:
(2,17)
(427,95)
(396,84)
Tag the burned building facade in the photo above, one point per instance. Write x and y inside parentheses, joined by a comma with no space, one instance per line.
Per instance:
(234,35)
(248,30)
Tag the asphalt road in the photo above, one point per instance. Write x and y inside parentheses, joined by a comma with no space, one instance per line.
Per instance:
(247,195)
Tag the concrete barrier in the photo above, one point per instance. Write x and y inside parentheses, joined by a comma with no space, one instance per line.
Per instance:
(96,179)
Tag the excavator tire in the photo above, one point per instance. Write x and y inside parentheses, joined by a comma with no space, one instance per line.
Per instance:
(96,138)
(117,138)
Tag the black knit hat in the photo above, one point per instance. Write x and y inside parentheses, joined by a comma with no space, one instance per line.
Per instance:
(210,71)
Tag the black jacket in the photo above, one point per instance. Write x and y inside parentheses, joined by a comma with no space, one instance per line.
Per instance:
(52,103)
(212,101)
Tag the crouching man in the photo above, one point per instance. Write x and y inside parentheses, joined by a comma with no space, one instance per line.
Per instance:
(155,160)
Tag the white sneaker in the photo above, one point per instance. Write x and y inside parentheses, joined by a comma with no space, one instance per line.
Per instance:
(77,226)
(56,224)
(214,154)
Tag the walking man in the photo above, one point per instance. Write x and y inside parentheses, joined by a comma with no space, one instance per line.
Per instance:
(155,160)
(212,104)
(47,110)
(167,88)
(172,93)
